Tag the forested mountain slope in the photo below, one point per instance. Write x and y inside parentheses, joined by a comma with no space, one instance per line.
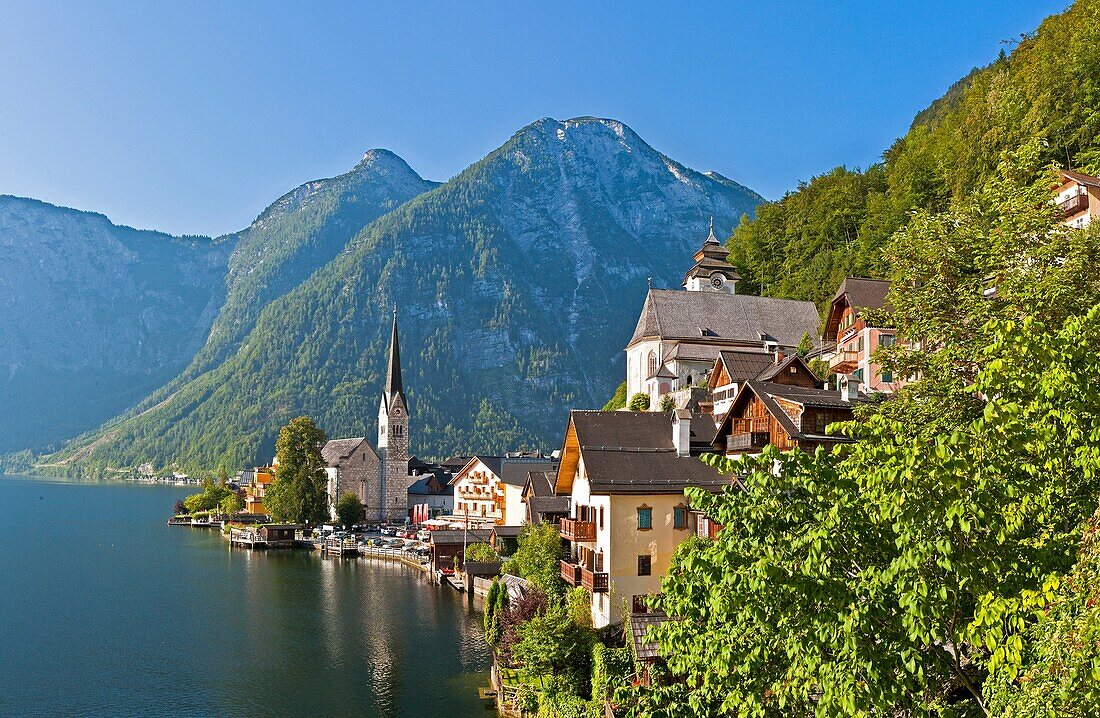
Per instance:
(1047,90)
(517,284)
(94,316)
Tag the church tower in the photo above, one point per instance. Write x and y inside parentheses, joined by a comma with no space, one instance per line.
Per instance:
(393,438)
(712,271)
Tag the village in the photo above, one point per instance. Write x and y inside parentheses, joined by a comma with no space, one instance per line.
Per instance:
(708,371)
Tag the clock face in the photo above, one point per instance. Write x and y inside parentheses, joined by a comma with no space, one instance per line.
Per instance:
(717,280)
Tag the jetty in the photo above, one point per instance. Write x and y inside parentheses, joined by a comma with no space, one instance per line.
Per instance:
(340,547)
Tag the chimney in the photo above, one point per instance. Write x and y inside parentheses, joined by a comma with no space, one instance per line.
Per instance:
(849,385)
(779,356)
(681,432)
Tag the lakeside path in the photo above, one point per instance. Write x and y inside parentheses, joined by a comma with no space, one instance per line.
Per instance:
(105,610)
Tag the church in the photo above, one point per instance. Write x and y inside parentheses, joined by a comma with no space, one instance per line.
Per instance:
(681,332)
(381,478)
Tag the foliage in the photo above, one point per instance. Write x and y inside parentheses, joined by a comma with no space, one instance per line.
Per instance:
(496,610)
(666,404)
(481,552)
(551,643)
(805,345)
(300,489)
(179,508)
(578,605)
(617,400)
(520,610)
(231,504)
(538,558)
(639,402)
(611,669)
(899,573)
(211,497)
(562,704)
(349,509)
(1059,674)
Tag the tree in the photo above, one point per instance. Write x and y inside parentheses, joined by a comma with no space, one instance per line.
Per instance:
(667,404)
(209,499)
(639,402)
(179,508)
(299,492)
(617,400)
(805,345)
(349,509)
(551,643)
(538,558)
(231,503)
(904,569)
(496,610)
(481,551)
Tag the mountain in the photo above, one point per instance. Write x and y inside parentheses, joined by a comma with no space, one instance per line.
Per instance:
(517,284)
(1040,102)
(95,316)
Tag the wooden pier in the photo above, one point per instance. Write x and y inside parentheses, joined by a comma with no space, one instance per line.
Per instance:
(340,547)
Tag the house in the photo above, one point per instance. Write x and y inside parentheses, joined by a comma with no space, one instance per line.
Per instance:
(733,368)
(626,473)
(543,504)
(784,415)
(380,477)
(851,337)
(431,495)
(505,539)
(448,547)
(279,535)
(490,488)
(1078,196)
(681,332)
(255,483)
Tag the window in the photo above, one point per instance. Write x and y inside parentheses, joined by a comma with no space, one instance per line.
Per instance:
(645,565)
(652,363)
(645,518)
(887,376)
(680,517)
(859,345)
(640,604)
(601,517)
(887,340)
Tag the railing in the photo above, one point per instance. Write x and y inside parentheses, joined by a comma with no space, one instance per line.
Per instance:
(843,361)
(577,530)
(594,582)
(570,573)
(747,440)
(1075,204)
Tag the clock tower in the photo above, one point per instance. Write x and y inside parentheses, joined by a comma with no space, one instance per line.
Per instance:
(712,271)
(393,438)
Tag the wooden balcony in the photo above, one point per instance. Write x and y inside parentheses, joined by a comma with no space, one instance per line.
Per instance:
(844,362)
(577,530)
(571,573)
(747,441)
(594,582)
(1075,205)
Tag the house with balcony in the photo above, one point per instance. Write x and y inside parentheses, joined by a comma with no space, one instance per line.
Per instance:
(255,483)
(680,332)
(786,416)
(851,336)
(625,474)
(1078,197)
(733,368)
(490,488)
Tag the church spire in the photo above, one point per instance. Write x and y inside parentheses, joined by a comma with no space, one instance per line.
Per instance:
(393,370)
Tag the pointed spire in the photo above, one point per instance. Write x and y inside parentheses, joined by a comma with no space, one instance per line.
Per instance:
(393,370)
(711,237)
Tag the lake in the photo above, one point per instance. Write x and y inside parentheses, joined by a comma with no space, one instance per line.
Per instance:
(105,610)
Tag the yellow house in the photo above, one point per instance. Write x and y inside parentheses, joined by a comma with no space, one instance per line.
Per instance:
(626,473)
(256,487)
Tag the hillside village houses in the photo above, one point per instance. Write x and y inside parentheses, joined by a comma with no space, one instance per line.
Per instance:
(850,338)
(489,489)
(1078,196)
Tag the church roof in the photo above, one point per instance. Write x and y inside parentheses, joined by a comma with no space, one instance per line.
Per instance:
(717,318)
(337,450)
(711,258)
(394,387)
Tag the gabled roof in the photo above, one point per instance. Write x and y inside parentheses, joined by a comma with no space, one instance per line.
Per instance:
(422,486)
(863,293)
(1081,178)
(511,470)
(337,451)
(541,507)
(443,537)
(631,452)
(769,392)
(743,365)
(777,369)
(732,319)
(540,483)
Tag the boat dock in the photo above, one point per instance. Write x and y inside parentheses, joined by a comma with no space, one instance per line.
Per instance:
(340,547)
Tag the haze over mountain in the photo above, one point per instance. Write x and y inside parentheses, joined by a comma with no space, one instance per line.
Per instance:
(517,284)
(95,316)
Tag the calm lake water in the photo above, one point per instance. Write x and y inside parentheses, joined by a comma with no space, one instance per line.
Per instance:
(105,610)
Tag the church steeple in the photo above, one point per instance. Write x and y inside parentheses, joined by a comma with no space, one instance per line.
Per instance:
(712,270)
(394,387)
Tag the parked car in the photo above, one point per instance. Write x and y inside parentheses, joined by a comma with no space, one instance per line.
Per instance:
(388,532)
(424,535)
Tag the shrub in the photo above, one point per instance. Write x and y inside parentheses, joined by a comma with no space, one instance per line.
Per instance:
(667,404)
(639,402)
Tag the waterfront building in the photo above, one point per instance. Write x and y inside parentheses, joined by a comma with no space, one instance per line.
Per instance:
(448,547)
(431,495)
(851,335)
(681,332)
(490,488)
(255,483)
(625,473)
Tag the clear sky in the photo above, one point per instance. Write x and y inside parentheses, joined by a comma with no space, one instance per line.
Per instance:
(191,117)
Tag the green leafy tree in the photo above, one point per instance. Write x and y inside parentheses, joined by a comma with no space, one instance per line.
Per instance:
(552,644)
(349,509)
(209,499)
(299,492)
(231,504)
(538,558)
(617,400)
(481,551)
(805,345)
(904,570)
(667,404)
(639,402)
(496,611)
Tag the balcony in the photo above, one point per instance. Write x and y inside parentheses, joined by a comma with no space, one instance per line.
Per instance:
(747,441)
(577,575)
(844,362)
(577,530)
(1075,205)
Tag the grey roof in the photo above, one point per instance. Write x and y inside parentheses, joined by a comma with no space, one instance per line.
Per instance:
(394,386)
(542,482)
(744,365)
(421,487)
(639,624)
(544,506)
(507,531)
(514,469)
(337,450)
(690,351)
(724,318)
(455,536)
(632,452)
(778,368)
(863,292)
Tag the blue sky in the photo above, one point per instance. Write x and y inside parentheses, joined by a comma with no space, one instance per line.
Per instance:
(192,117)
